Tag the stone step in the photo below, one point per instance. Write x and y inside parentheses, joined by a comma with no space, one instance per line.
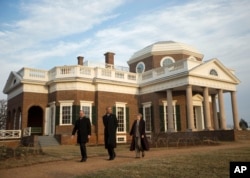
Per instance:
(47,141)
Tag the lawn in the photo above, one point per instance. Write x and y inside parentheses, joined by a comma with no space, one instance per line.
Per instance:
(195,165)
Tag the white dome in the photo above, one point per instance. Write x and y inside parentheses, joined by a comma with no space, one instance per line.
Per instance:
(165,47)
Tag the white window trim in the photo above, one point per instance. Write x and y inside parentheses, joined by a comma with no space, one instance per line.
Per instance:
(89,104)
(66,103)
(121,104)
(121,136)
(144,106)
(138,65)
(165,103)
(192,58)
(166,57)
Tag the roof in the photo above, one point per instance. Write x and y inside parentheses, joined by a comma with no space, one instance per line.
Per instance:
(165,47)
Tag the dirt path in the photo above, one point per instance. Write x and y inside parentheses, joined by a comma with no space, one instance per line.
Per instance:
(72,168)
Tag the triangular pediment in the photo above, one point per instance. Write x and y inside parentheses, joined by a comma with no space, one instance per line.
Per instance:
(214,69)
(13,80)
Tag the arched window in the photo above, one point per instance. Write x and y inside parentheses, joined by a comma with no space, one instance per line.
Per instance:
(140,67)
(167,61)
(192,58)
(213,72)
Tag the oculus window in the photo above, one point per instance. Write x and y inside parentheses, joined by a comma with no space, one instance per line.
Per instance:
(140,67)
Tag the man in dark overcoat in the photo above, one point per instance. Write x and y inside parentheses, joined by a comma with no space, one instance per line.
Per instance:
(83,128)
(139,140)
(110,125)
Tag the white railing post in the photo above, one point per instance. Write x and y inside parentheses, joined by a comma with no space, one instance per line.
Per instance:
(26,131)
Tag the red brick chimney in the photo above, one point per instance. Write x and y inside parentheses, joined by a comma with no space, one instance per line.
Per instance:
(80,60)
(109,58)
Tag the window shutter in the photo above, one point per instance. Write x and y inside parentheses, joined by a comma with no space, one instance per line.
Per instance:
(94,118)
(178,117)
(57,115)
(152,119)
(127,119)
(75,113)
(114,110)
(141,111)
(161,118)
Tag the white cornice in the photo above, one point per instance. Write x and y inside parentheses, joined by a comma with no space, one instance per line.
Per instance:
(116,89)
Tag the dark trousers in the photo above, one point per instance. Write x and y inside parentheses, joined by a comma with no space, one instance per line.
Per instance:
(83,150)
(111,152)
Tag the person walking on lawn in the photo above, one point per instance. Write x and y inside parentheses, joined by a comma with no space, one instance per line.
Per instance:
(83,129)
(110,125)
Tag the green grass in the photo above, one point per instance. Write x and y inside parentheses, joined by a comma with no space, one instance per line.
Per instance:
(212,164)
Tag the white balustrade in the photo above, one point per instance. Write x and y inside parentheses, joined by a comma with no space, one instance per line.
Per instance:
(10,134)
(107,72)
(34,74)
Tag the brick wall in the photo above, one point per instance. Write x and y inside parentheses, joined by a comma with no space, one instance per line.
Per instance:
(155,60)
(242,135)
(100,100)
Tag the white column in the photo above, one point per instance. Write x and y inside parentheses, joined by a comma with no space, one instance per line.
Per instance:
(190,112)
(170,111)
(222,110)
(235,110)
(216,123)
(207,109)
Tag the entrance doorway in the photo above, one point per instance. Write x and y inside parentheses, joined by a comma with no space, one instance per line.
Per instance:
(35,120)
(49,128)
(198,118)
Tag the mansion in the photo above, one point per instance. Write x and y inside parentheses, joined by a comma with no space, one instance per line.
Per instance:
(168,82)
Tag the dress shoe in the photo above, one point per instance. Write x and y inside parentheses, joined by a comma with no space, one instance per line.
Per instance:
(111,158)
(83,160)
(143,154)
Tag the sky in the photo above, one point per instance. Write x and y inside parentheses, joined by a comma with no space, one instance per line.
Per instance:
(44,33)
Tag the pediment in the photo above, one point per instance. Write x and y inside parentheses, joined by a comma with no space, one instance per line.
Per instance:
(214,69)
(13,80)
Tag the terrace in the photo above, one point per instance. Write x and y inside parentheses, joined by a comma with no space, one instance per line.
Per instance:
(107,72)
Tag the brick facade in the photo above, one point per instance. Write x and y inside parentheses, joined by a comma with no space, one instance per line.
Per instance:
(102,87)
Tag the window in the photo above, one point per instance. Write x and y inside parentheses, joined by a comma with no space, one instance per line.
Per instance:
(66,112)
(167,61)
(121,117)
(86,106)
(166,115)
(147,116)
(140,67)
(148,119)
(213,72)
(192,58)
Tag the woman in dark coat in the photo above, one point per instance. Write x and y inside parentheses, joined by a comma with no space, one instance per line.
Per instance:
(110,125)
(139,140)
(83,128)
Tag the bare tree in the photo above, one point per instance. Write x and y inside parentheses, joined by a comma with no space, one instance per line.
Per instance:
(3,114)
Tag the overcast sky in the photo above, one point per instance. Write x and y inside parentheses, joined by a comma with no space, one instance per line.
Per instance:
(44,33)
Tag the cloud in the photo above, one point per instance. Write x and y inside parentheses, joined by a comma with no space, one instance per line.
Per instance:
(46,21)
(53,32)
(211,26)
